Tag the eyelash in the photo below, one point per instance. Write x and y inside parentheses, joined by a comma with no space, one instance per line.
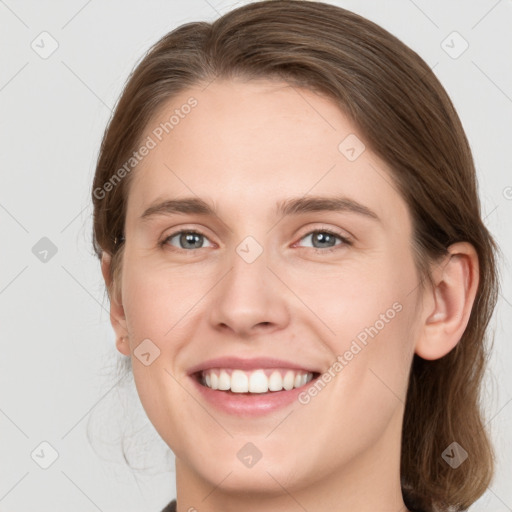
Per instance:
(345,241)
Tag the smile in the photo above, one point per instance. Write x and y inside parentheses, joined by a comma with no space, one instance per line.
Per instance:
(255,381)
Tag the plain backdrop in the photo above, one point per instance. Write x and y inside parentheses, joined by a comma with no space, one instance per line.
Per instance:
(62,68)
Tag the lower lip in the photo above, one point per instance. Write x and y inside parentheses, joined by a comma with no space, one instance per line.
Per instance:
(249,405)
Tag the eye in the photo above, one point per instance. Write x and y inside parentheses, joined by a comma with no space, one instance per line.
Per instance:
(324,240)
(186,239)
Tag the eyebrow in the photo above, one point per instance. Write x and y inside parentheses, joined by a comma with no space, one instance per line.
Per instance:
(292,206)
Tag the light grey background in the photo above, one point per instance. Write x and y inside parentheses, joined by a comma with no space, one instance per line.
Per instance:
(57,347)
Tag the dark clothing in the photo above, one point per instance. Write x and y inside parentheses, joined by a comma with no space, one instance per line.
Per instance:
(171,507)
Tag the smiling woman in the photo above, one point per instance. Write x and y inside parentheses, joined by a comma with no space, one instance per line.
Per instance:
(306,239)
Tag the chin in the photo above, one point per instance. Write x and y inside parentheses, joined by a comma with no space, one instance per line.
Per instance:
(258,480)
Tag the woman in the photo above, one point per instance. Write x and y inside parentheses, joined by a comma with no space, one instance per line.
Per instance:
(286,212)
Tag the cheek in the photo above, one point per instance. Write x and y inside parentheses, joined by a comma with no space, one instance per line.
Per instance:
(157,298)
(366,319)
(350,299)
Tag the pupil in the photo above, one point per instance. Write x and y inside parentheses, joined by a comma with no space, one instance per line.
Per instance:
(192,238)
(324,238)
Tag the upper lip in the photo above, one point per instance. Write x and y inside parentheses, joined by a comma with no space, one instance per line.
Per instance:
(249,364)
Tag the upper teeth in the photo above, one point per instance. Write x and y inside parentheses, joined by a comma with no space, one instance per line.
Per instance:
(257,381)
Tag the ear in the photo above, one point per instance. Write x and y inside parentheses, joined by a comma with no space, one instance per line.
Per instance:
(447,308)
(117,316)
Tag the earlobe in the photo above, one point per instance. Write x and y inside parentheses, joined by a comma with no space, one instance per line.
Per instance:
(117,315)
(451,301)
(123,345)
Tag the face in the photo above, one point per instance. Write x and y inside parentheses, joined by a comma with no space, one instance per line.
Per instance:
(275,270)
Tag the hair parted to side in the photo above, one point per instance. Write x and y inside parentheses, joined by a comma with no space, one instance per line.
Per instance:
(405,117)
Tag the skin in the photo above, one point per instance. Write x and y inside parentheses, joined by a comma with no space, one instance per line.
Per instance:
(243,148)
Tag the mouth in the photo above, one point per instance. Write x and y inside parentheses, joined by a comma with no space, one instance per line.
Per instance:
(261,381)
(250,388)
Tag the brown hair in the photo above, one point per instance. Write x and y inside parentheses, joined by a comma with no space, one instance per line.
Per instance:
(405,117)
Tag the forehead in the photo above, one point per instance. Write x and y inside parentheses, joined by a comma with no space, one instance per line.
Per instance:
(249,144)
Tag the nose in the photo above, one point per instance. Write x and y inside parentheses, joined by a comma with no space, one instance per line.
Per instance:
(249,300)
